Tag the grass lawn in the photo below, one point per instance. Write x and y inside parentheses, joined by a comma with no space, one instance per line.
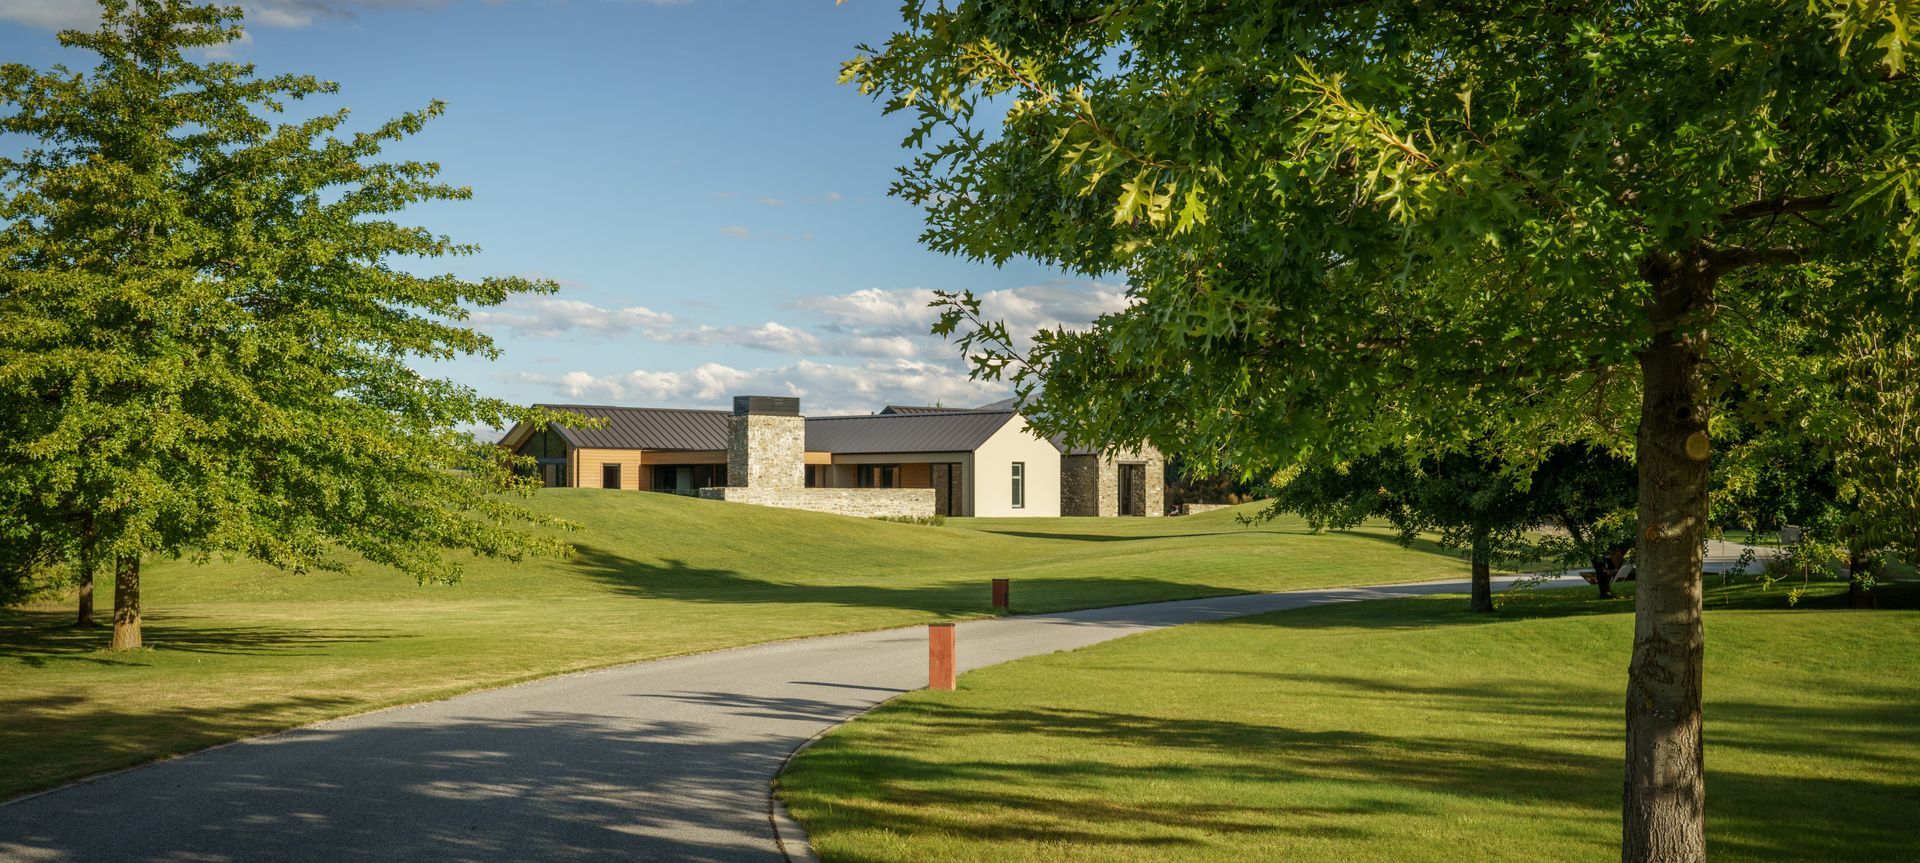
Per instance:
(236,649)
(1393,731)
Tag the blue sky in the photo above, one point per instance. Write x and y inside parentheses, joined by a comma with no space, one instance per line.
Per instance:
(712,202)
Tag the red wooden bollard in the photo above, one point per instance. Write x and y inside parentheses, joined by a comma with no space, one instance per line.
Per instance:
(1000,591)
(940,669)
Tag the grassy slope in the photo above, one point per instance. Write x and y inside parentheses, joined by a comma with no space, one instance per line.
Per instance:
(1390,731)
(236,649)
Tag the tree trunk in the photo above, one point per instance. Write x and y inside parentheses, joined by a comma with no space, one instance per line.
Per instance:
(126,603)
(1482,575)
(84,616)
(1603,573)
(1858,596)
(1606,570)
(1665,789)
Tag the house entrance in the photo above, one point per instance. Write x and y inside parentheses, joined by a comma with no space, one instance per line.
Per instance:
(1133,489)
(947,490)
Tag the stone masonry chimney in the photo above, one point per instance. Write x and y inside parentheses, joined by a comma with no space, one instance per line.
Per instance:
(766,443)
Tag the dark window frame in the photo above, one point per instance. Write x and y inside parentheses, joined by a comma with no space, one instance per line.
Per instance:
(610,471)
(877,476)
(1019,480)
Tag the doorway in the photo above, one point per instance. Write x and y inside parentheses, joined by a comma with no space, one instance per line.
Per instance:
(1133,489)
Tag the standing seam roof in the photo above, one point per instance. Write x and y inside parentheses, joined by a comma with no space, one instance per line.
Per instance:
(944,431)
(647,428)
(678,429)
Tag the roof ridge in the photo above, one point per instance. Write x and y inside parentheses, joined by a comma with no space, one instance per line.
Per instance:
(928,415)
(627,408)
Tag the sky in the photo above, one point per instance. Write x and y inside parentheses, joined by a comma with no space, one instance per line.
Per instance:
(711,201)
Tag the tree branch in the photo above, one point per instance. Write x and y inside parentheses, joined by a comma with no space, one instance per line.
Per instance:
(1778,206)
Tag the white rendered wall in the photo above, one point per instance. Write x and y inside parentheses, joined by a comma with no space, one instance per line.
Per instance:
(990,477)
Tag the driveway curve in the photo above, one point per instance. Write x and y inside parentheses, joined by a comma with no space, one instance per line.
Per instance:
(668,760)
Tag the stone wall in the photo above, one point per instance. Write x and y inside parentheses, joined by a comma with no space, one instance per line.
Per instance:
(860,502)
(766,451)
(1079,485)
(1149,497)
(1197,508)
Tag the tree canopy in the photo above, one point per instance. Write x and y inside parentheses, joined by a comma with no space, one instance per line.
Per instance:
(208,340)
(1356,225)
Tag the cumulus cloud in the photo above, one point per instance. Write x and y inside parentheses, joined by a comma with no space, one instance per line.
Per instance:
(770,336)
(823,388)
(876,322)
(546,316)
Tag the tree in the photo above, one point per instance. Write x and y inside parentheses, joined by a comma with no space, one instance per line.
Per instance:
(1590,494)
(206,344)
(1347,225)
(1474,503)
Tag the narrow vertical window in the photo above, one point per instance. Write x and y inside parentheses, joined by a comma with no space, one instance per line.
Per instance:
(609,476)
(1019,485)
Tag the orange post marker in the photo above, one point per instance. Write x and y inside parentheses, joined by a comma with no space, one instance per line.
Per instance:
(940,668)
(1000,591)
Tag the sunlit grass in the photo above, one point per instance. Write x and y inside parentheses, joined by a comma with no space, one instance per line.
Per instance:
(237,649)
(1391,731)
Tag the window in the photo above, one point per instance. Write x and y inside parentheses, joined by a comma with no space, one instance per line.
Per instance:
(609,476)
(1019,485)
(878,476)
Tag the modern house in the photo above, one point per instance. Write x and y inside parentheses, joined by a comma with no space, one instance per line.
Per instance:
(904,461)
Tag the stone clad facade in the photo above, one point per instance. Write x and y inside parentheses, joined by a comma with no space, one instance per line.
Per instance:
(767,465)
(1124,482)
(766,451)
(1079,485)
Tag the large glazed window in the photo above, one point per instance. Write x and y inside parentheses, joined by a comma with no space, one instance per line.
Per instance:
(1019,485)
(609,476)
(878,476)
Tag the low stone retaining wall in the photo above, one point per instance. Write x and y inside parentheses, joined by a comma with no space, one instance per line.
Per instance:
(859,502)
(1197,508)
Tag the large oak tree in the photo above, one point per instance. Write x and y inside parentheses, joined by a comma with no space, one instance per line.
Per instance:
(208,344)
(1350,224)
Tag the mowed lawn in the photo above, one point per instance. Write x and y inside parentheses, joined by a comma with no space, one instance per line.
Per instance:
(1392,731)
(236,649)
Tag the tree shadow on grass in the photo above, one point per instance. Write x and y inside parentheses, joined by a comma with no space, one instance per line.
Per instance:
(36,638)
(1545,603)
(673,579)
(1112,537)
(1050,774)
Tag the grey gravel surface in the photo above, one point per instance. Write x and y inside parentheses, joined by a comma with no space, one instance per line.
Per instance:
(667,760)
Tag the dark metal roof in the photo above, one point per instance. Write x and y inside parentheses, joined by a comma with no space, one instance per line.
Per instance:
(939,431)
(647,428)
(889,410)
(934,430)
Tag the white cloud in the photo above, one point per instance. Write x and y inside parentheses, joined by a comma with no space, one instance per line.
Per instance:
(769,202)
(877,322)
(735,231)
(831,197)
(546,316)
(770,336)
(52,14)
(823,388)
